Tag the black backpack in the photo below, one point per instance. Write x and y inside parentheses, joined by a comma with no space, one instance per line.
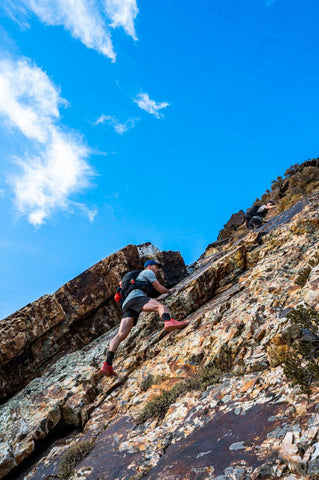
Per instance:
(129,283)
(252,212)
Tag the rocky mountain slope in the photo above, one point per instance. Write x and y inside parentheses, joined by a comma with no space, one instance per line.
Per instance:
(299,181)
(232,396)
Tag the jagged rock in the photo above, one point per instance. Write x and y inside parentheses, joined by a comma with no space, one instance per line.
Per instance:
(174,268)
(74,315)
(251,422)
(235,221)
(300,180)
(215,248)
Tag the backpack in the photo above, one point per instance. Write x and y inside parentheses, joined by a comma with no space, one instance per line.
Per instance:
(129,283)
(251,212)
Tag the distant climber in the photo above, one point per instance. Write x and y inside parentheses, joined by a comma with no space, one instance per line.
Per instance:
(140,299)
(255,216)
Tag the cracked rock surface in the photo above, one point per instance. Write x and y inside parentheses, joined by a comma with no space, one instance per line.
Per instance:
(252,422)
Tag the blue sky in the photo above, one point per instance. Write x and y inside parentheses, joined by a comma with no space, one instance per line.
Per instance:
(127,121)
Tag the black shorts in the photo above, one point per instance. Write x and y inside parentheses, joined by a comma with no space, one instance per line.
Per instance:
(255,222)
(134,307)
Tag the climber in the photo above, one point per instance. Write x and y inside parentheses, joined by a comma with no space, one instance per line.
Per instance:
(136,302)
(255,216)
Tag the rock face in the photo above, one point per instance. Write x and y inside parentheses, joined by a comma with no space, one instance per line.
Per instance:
(299,182)
(235,221)
(81,310)
(232,396)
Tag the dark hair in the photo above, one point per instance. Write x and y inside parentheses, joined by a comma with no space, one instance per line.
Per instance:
(270,201)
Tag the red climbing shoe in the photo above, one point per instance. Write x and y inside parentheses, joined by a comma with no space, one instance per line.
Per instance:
(107,370)
(172,324)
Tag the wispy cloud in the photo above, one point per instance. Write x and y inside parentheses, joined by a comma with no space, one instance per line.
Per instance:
(150,106)
(55,166)
(86,20)
(116,124)
(122,13)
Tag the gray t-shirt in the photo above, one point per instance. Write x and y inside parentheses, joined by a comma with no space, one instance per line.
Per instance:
(144,276)
(262,209)
(261,212)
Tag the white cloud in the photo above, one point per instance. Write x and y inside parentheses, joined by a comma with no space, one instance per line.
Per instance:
(28,99)
(55,166)
(150,106)
(86,20)
(122,13)
(114,122)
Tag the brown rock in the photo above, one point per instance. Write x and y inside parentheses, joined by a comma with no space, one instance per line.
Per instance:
(235,221)
(81,310)
(248,421)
